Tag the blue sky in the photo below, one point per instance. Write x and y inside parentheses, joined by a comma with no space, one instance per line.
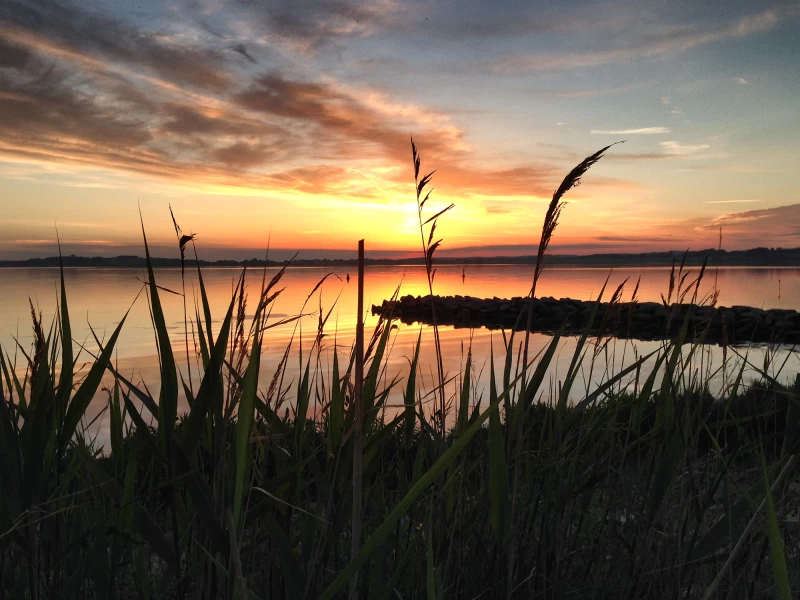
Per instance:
(288,123)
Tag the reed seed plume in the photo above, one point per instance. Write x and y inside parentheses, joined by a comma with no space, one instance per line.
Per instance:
(671,287)
(183,240)
(551,219)
(612,314)
(632,306)
(429,247)
(38,355)
(696,283)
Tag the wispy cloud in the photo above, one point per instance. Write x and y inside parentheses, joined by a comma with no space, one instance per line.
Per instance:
(674,110)
(639,131)
(94,92)
(778,226)
(674,148)
(643,239)
(728,168)
(651,44)
(312,25)
(740,80)
(601,92)
(730,201)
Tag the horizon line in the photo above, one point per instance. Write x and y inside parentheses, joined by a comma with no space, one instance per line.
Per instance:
(410,258)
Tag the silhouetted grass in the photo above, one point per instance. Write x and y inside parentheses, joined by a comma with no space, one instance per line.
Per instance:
(646,486)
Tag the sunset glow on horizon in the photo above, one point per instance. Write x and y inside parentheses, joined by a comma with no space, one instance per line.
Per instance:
(288,125)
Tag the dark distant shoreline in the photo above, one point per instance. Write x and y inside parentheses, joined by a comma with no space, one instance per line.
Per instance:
(756,257)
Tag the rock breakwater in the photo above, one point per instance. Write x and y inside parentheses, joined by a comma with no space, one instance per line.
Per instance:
(639,320)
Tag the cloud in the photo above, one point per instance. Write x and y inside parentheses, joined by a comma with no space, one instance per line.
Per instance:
(674,148)
(731,169)
(43,105)
(314,24)
(673,110)
(243,155)
(630,239)
(601,92)
(497,209)
(13,56)
(740,80)
(729,201)
(735,219)
(241,49)
(640,131)
(651,44)
(623,157)
(778,226)
(524,19)
(62,28)
(91,92)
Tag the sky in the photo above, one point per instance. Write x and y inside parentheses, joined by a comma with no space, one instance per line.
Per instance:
(286,125)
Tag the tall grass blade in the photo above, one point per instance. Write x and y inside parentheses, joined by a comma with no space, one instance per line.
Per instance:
(358,422)
(83,397)
(498,470)
(115,426)
(336,409)
(244,422)
(777,551)
(168,397)
(195,421)
(409,398)
(65,378)
(463,405)
(430,570)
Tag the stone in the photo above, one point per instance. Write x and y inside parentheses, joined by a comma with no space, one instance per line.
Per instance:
(645,320)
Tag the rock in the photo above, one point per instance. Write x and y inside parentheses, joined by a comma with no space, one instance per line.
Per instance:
(645,320)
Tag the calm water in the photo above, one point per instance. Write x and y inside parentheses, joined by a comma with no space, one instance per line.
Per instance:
(100,297)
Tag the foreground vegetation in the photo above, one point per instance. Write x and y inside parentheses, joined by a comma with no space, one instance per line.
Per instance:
(645,487)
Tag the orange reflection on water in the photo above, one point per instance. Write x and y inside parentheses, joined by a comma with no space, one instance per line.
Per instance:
(102,296)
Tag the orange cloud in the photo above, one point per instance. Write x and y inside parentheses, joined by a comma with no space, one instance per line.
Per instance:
(63,105)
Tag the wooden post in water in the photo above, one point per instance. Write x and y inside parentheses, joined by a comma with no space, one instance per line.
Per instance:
(359,421)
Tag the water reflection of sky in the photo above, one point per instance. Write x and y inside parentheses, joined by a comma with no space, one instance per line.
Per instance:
(102,296)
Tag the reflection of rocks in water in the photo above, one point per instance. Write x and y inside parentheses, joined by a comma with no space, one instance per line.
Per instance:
(644,320)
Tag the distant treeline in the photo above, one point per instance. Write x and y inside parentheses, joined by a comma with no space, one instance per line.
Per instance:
(754,257)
